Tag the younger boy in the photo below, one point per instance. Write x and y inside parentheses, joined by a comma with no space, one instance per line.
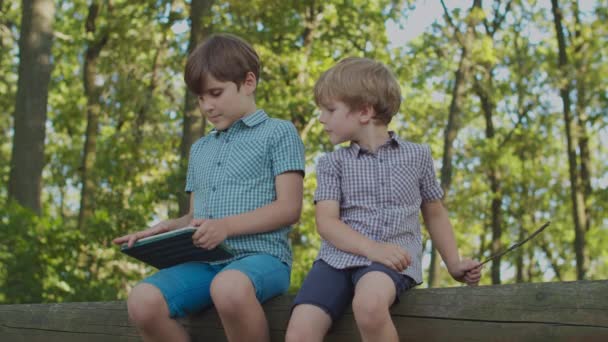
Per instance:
(368,199)
(245,184)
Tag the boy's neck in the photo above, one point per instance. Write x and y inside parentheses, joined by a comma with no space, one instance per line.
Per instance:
(372,136)
(247,110)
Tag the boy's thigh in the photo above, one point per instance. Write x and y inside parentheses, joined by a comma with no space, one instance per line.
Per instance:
(402,282)
(328,288)
(185,287)
(269,275)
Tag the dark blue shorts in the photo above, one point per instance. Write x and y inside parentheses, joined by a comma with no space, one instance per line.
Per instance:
(333,289)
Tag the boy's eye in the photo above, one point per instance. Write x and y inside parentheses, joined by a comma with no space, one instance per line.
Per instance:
(215,93)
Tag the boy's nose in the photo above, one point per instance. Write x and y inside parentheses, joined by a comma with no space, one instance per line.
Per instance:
(322,119)
(207,106)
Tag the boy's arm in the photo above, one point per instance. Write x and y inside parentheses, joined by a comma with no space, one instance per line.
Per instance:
(284,211)
(161,227)
(440,229)
(343,237)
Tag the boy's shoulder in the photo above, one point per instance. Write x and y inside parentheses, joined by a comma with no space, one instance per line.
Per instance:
(412,147)
(405,147)
(281,124)
(267,127)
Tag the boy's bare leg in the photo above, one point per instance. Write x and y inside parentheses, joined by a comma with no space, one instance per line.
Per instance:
(308,323)
(149,311)
(374,294)
(242,315)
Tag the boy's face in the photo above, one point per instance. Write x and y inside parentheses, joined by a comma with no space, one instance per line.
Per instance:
(223,104)
(339,121)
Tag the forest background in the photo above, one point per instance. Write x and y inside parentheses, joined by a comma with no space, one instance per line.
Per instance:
(96,125)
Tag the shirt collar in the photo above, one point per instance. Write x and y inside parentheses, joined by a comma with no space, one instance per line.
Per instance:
(393,141)
(250,120)
(255,118)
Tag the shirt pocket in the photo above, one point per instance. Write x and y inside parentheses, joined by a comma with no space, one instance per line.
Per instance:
(405,185)
(247,160)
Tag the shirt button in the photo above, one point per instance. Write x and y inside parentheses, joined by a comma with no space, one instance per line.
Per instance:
(219,163)
(227,140)
(210,216)
(213,188)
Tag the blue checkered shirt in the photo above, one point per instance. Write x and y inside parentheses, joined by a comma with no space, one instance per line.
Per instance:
(380,195)
(233,171)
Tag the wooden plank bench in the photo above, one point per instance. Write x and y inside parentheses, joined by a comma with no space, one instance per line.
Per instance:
(566,311)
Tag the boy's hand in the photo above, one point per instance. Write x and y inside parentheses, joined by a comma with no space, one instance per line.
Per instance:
(130,239)
(466,271)
(209,234)
(390,255)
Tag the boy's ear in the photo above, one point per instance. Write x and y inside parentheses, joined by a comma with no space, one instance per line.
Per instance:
(367,113)
(250,83)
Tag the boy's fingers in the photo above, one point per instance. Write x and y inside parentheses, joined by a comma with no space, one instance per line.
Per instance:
(198,234)
(131,241)
(388,263)
(399,265)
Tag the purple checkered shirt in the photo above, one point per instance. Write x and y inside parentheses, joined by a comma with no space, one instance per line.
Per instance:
(380,195)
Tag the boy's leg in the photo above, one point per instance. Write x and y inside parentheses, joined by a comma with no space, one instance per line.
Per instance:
(325,294)
(238,290)
(308,323)
(377,287)
(150,314)
(172,292)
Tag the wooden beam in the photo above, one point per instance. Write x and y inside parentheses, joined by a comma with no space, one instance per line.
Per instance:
(567,311)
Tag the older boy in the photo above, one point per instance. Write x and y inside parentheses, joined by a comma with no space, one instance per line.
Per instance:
(368,199)
(245,184)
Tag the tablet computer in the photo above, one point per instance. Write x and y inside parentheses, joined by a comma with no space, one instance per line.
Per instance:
(173,248)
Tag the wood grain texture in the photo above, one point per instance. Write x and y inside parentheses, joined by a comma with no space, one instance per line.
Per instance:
(566,311)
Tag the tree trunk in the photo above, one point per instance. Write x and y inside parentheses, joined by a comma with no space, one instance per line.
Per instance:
(578,211)
(582,68)
(451,131)
(27,159)
(92,93)
(194,122)
(145,103)
(488,106)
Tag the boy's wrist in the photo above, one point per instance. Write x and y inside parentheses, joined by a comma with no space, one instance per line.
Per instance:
(226,223)
(452,265)
(368,247)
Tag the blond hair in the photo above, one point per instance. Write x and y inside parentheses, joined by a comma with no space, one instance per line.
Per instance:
(359,82)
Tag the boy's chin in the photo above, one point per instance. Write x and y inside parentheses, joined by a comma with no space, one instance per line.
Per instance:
(336,141)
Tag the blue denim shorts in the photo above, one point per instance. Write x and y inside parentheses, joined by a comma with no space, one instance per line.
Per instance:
(186,287)
(333,289)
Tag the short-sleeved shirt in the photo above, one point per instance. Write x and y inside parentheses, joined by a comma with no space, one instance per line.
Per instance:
(233,171)
(380,196)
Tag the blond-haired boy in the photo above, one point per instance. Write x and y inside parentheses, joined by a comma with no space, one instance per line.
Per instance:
(368,200)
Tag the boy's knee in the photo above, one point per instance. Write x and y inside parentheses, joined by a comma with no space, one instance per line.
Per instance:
(146,304)
(231,292)
(371,312)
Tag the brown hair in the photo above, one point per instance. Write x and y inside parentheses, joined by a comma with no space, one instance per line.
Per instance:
(359,82)
(224,56)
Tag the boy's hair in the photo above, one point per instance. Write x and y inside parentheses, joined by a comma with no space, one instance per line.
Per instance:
(224,56)
(359,82)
